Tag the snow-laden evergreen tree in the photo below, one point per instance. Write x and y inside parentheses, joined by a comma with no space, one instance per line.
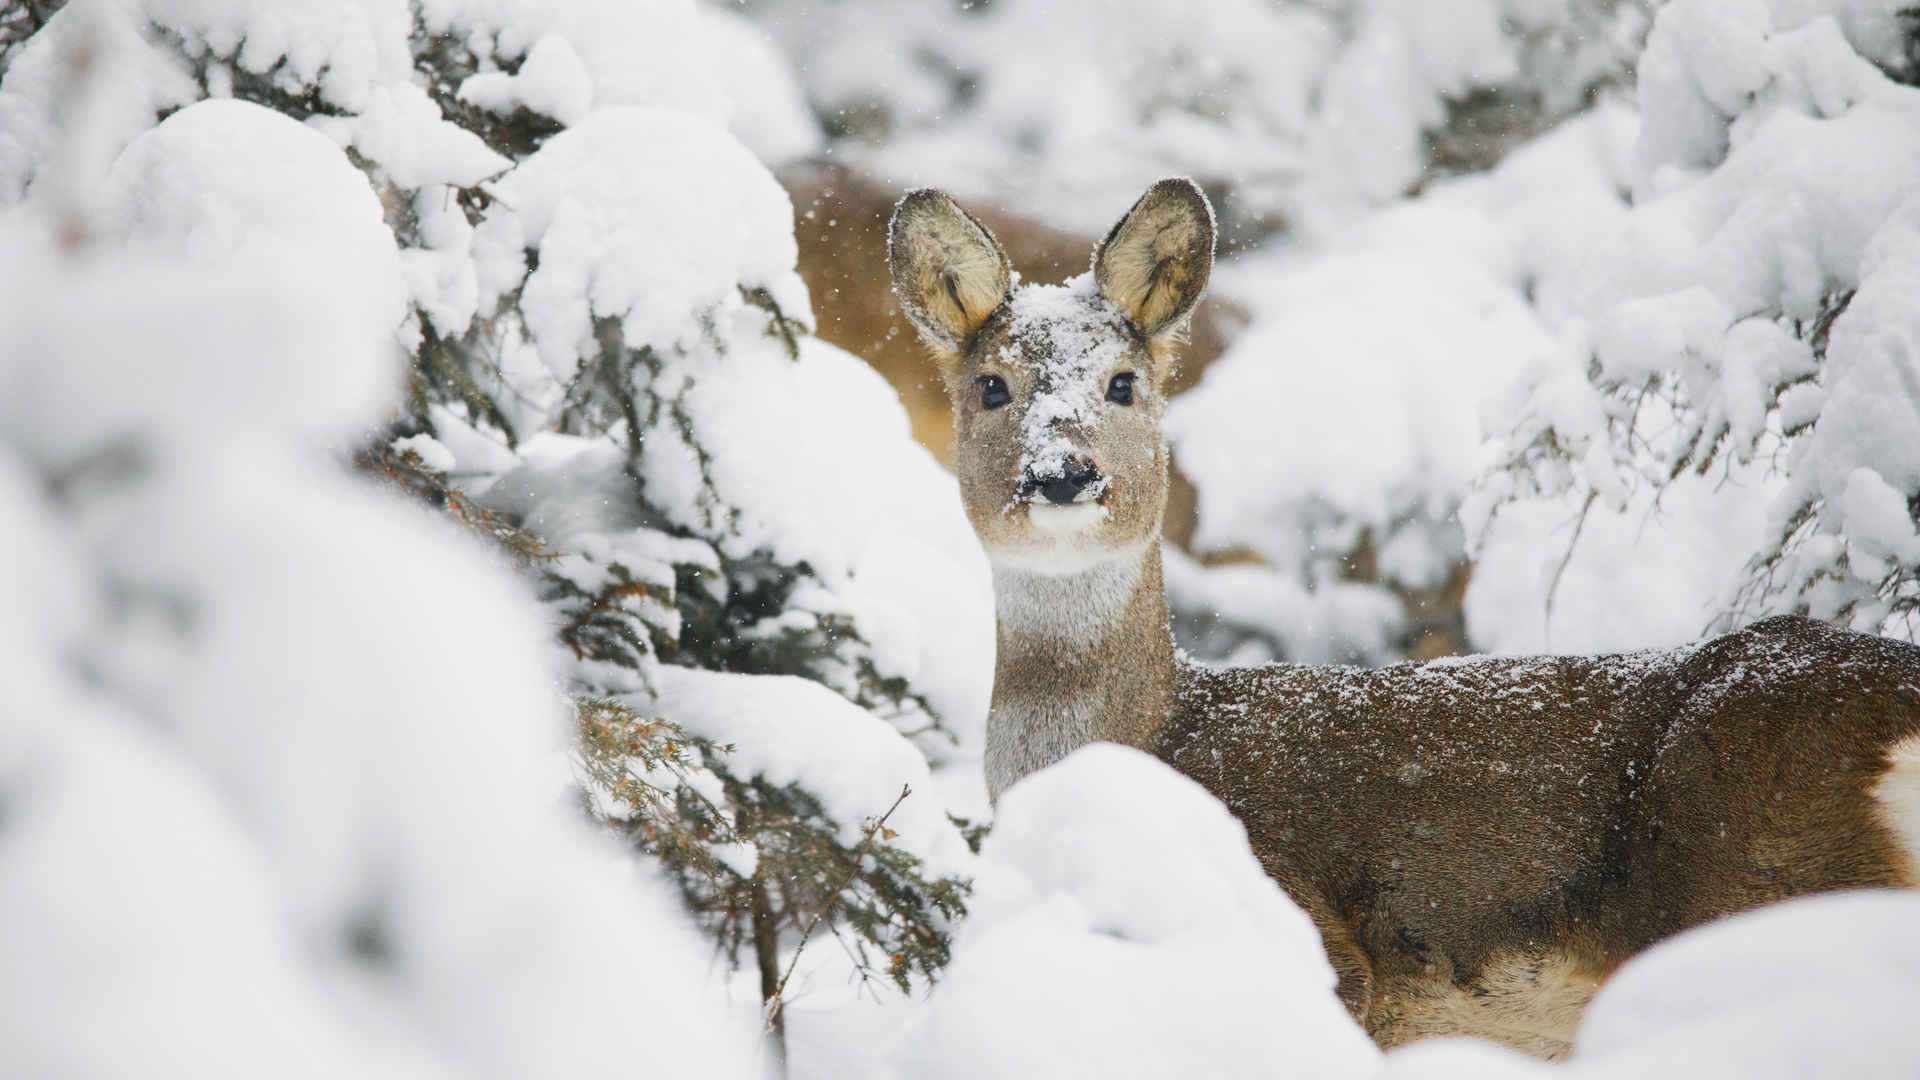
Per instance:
(1751,323)
(282,761)
(769,611)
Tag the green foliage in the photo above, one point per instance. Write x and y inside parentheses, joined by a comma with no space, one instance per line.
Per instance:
(674,796)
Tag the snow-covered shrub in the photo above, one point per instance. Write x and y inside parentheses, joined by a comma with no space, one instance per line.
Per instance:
(284,767)
(612,375)
(1063,111)
(1750,323)
(644,395)
(1333,443)
(1682,305)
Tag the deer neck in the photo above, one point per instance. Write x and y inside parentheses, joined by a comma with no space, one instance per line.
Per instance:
(1082,656)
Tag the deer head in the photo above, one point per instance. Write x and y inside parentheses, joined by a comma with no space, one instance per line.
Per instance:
(1058,390)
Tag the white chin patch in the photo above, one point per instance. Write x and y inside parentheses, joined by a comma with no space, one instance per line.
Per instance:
(1056,519)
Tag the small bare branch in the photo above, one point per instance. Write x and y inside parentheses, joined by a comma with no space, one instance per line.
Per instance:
(873,829)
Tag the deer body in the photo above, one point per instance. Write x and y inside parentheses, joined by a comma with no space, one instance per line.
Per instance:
(1480,842)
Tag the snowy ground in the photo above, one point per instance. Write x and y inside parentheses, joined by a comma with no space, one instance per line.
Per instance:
(286,776)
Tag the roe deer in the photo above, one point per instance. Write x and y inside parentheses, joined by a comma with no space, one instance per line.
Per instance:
(1480,842)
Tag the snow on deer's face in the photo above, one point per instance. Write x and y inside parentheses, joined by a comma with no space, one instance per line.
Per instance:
(1057,390)
(1057,415)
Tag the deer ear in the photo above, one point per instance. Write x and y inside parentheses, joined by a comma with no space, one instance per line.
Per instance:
(1155,262)
(948,270)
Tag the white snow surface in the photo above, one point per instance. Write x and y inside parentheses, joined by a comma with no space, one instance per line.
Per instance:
(551,81)
(220,190)
(344,51)
(402,132)
(1122,927)
(355,54)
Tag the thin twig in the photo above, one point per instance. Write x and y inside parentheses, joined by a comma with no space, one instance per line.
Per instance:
(1554,586)
(866,842)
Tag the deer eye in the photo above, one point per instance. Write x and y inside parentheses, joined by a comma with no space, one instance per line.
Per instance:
(1120,389)
(993,391)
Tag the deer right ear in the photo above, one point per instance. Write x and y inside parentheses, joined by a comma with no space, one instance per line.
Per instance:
(948,270)
(1154,265)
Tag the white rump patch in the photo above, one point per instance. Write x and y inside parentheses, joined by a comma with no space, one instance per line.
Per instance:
(1898,794)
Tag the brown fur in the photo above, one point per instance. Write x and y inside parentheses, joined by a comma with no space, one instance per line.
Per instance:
(1479,842)
(1450,817)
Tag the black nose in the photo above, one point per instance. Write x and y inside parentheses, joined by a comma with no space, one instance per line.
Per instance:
(1067,484)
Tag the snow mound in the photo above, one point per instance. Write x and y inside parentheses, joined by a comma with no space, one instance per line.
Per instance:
(1850,961)
(345,52)
(1820,986)
(1121,927)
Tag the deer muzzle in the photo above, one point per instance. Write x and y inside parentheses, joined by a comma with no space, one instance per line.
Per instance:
(1073,476)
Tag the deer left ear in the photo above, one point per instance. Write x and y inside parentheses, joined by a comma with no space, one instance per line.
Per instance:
(1154,264)
(948,270)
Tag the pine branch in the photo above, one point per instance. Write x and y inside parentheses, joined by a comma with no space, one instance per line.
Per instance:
(774,1004)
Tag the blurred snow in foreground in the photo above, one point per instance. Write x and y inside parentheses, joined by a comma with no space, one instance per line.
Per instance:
(285,765)
(1122,927)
